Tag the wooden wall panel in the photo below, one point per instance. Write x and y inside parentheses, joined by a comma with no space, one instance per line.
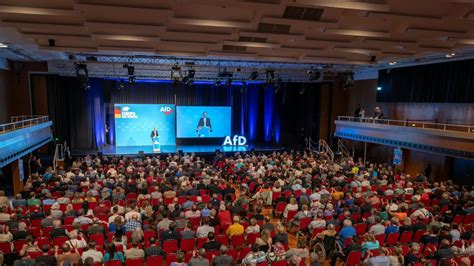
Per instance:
(39,94)
(5,92)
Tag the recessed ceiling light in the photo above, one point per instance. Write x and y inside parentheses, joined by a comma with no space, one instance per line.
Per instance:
(450,54)
(393,63)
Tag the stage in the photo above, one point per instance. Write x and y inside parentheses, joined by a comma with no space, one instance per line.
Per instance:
(197,149)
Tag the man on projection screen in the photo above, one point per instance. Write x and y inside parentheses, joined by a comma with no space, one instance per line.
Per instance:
(204,126)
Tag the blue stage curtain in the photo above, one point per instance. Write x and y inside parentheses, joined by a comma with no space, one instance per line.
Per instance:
(95,101)
(253,110)
(268,112)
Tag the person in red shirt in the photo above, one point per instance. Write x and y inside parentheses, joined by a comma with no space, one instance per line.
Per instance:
(224,216)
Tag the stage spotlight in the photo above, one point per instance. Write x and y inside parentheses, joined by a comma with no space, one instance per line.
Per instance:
(218,83)
(302,90)
(269,76)
(253,75)
(393,63)
(448,55)
(313,75)
(189,79)
(120,84)
(379,88)
(176,73)
(82,74)
(130,73)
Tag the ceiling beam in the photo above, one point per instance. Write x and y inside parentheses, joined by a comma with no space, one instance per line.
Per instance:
(21,10)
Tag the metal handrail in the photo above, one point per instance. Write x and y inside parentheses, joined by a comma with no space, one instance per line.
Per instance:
(19,122)
(343,149)
(407,123)
(324,147)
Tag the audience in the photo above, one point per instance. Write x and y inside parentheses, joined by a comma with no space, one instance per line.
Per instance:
(136,204)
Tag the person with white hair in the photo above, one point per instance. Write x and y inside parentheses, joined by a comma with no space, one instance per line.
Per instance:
(347,231)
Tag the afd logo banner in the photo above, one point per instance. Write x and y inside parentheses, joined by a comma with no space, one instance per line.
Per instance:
(134,124)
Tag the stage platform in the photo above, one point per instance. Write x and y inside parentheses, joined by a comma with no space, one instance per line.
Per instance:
(197,149)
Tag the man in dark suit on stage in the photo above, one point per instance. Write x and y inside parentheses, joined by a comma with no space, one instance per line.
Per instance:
(204,121)
(154,133)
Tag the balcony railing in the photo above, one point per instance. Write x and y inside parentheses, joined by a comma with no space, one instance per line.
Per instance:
(18,122)
(408,123)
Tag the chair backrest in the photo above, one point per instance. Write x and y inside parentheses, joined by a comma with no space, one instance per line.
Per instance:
(170,246)
(392,238)
(113,263)
(187,244)
(237,240)
(279,263)
(291,214)
(251,238)
(134,262)
(154,260)
(406,237)
(5,247)
(354,258)
(304,222)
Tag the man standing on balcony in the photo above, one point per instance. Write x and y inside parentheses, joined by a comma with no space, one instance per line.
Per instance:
(378,113)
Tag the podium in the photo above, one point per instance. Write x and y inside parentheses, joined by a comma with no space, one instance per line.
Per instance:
(203,132)
(156,144)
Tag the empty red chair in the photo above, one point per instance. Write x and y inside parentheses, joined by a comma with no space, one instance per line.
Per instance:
(134,262)
(392,238)
(170,246)
(237,241)
(354,258)
(154,261)
(406,237)
(149,234)
(187,245)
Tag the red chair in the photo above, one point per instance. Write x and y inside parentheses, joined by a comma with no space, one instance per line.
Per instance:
(5,247)
(291,215)
(237,241)
(468,219)
(280,207)
(275,195)
(134,262)
(170,246)
(244,252)
(251,238)
(361,228)
(201,241)
(381,239)
(170,258)
(99,239)
(35,223)
(392,238)
(35,231)
(279,263)
(406,237)
(59,241)
(233,253)
(18,245)
(113,263)
(149,234)
(304,222)
(418,235)
(154,261)
(46,231)
(34,255)
(42,241)
(187,245)
(265,263)
(354,258)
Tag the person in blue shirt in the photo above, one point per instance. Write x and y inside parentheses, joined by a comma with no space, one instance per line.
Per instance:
(111,253)
(393,226)
(370,243)
(347,231)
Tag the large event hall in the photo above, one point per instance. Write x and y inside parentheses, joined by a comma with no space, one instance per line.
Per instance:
(236,132)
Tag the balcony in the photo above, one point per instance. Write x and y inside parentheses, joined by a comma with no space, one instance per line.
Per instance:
(23,135)
(446,139)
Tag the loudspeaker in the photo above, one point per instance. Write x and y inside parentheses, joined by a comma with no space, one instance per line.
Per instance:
(373,58)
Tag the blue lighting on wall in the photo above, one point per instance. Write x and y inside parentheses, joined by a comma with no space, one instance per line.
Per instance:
(252,108)
(268,113)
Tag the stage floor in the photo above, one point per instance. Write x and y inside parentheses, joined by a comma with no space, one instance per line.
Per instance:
(133,150)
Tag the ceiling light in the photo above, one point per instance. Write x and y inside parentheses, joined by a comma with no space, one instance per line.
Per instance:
(3,45)
(379,88)
(450,54)
(393,63)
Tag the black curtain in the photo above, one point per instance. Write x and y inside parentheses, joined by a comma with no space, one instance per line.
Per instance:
(68,107)
(443,82)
